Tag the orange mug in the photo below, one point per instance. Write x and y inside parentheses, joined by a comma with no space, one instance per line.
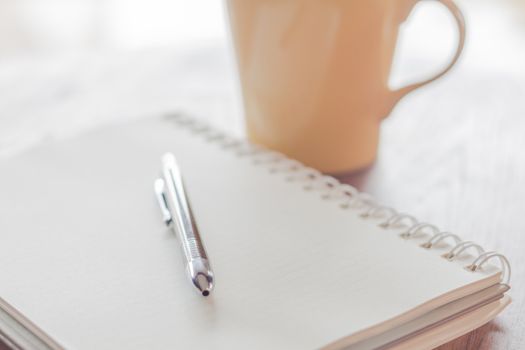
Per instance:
(314,74)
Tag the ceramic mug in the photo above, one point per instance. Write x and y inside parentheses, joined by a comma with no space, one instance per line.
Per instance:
(314,74)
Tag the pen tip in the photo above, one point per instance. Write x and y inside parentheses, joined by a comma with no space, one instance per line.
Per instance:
(203,284)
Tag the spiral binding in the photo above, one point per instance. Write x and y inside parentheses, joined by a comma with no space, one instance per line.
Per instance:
(349,197)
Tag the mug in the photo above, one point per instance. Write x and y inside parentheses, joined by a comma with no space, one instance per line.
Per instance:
(314,74)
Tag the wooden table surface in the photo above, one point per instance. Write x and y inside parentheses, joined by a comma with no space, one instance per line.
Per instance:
(452,154)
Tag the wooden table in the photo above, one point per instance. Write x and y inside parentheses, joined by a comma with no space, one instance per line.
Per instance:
(451,154)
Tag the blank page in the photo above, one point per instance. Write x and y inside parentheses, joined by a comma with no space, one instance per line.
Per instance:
(85,255)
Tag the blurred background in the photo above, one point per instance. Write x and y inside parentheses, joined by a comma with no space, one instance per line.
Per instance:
(68,64)
(27,27)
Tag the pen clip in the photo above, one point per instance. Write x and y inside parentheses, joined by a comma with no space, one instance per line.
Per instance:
(163,203)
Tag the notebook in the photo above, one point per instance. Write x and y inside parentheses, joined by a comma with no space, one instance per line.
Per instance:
(300,260)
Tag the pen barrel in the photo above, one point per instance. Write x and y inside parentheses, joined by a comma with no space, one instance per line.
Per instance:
(182,217)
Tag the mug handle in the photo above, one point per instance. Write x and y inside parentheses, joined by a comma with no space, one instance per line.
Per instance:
(460,21)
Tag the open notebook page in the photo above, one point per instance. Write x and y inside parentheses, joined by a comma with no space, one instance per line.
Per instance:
(85,255)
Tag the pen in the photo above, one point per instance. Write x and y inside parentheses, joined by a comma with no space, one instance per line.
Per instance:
(177,215)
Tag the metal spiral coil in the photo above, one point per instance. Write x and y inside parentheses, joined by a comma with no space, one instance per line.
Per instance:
(348,196)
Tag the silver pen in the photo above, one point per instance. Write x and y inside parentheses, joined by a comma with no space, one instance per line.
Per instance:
(177,215)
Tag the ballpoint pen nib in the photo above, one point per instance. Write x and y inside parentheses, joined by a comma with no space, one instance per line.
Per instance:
(201,282)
